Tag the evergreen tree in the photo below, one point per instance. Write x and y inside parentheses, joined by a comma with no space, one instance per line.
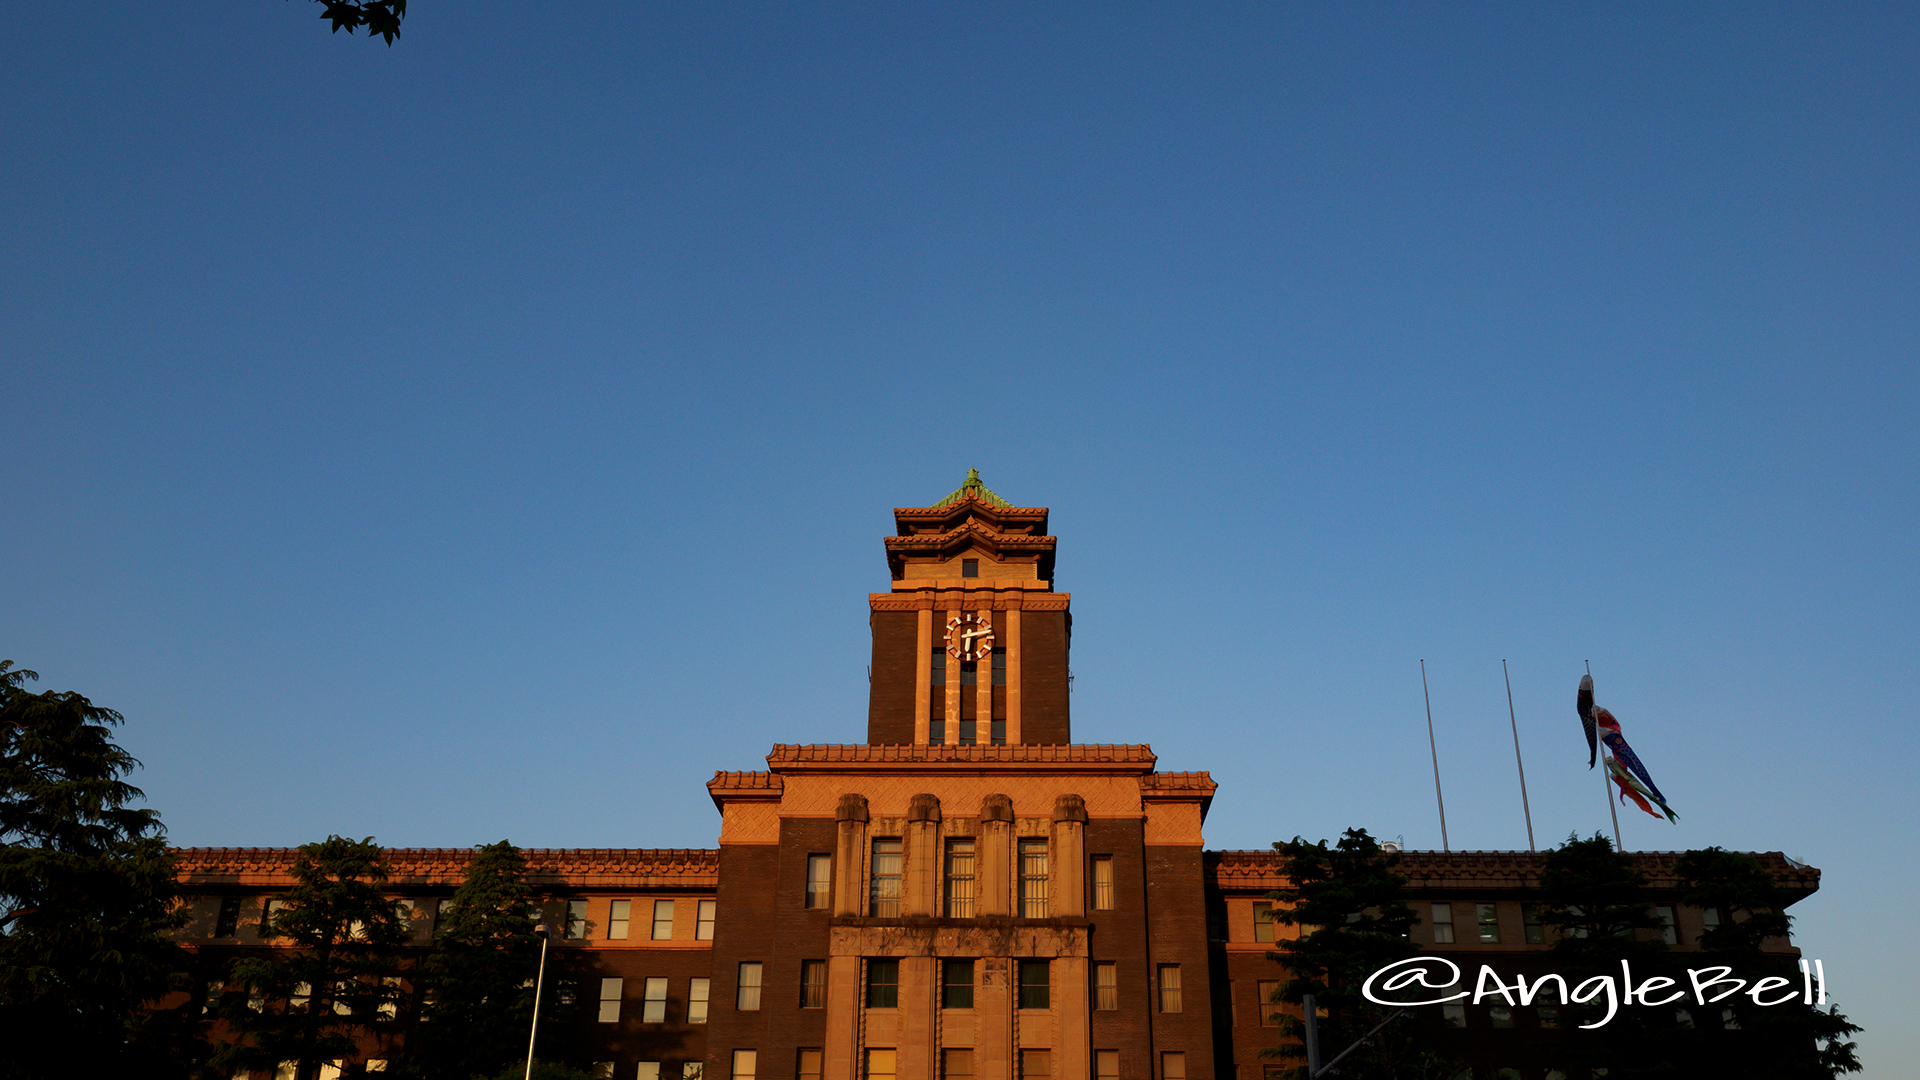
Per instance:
(1354,919)
(1791,1041)
(478,980)
(339,979)
(87,895)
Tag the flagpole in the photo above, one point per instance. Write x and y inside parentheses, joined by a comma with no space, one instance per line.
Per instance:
(1606,785)
(1435,748)
(1524,808)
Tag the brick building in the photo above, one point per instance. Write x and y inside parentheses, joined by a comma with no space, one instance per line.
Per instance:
(967,895)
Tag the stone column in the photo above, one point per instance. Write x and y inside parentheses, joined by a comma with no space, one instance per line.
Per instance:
(1068,889)
(923,675)
(850,855)
(923,857)
(993,874)
(1012,643)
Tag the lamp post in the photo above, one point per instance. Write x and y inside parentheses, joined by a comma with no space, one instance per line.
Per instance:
(539,980)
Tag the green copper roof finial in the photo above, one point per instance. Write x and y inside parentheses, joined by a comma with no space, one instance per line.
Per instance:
(973,487)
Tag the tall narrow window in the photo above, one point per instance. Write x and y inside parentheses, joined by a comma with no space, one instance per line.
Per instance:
(939,667)
(1269,1008)
(273,908)
(610,1000)
(1106,986)
(1669,932)
(747,999)
(969,731)
(698,991)
(703,924)
(653,1002)
(1173,1066)
(956,1064)
(1536,929)
(389,1006)
(663,920)
(1488,916)
(1442,924)
(619,913)
(744,1062)
(956,984)
(810,1063)
(1036,1065)
(1106,1065)
(1035,990)
(819,881)
(813,984)
(1103,882)
(883,984)
(440,909)
(576,920)
(886,879)
(999,667)
(1262,921)
(228,924)
(999,731)
(937,731)
(1033,879)
(881,1064)
(1170,988)
(648,1070)
(960,879)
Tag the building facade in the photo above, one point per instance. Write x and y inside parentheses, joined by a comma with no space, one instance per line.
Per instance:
(969,894)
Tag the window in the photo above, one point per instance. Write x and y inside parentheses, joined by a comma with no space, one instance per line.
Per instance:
(969,731)
(610,1000)
(619,914)
(937,731)
(1036,1064)
(376,1064)
(601,1070)
(956,984)
(810,1064)
(389,1006)
(648,1070)
(881,1064)
(653,1002)
(1262,921)
(697,992)
(886,879)
(1173,1066)
(743,1064)
(1683,1018)
(969,673)
(1033,879)
(883,984)
(819,881)
(969,567)
(228,923)
(1536,930)
(1103,883)
(1488,916)
(1106,1065)
(274,907)
(1549,1015)
(999,667)
(1669,933)
(1269,1008)
(999,731)
(956,1064)
(576,920)
(703,920)
(440,909)
(1170,988)
(748,997)
(1710,918)
(960,879)
(663,920)
(939,666)
(1501,1015)
(692,1070)
(1106,986)
(1453,1015)
(302,994)
(813,984)
(1442,924)
(1034,987)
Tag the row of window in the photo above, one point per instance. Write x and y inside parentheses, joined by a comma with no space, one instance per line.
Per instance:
(1486,919)
(886,879)
(883,1063)
(620,918)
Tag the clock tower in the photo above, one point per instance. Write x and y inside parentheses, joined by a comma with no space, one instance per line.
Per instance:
(970,646)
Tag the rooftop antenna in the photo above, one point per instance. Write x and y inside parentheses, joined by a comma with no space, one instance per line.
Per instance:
(1435,747)
(1606,785)
(1524,808)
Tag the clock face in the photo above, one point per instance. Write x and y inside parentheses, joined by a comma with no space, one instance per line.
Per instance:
(969,637)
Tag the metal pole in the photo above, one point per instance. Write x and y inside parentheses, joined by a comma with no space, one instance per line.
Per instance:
(1362,1042)
(1524,808)
(1433,746)
(1311,1015)
(1606,785)
(538,980)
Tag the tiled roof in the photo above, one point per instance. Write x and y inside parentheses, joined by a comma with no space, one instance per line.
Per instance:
(1032,753)
(446,866)
(972,487)
(1494,869)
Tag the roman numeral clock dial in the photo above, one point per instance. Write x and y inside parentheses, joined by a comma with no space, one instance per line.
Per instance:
(969,637)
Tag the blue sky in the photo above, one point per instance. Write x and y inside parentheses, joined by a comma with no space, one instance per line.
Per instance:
(492,435)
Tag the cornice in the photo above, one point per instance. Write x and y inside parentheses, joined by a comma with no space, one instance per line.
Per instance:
(1461,870)
(446,867)
(1075,757)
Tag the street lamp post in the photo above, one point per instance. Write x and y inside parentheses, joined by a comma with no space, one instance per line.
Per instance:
(539,980)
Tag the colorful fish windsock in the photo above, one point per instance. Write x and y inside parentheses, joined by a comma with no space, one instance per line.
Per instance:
(1584,706)
(1620,754)
(1629,787)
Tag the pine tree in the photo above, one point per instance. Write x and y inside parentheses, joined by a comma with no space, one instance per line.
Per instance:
(477,981)
(338,982)
(87,895)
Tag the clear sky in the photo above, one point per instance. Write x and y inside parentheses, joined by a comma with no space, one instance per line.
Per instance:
(493,435)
